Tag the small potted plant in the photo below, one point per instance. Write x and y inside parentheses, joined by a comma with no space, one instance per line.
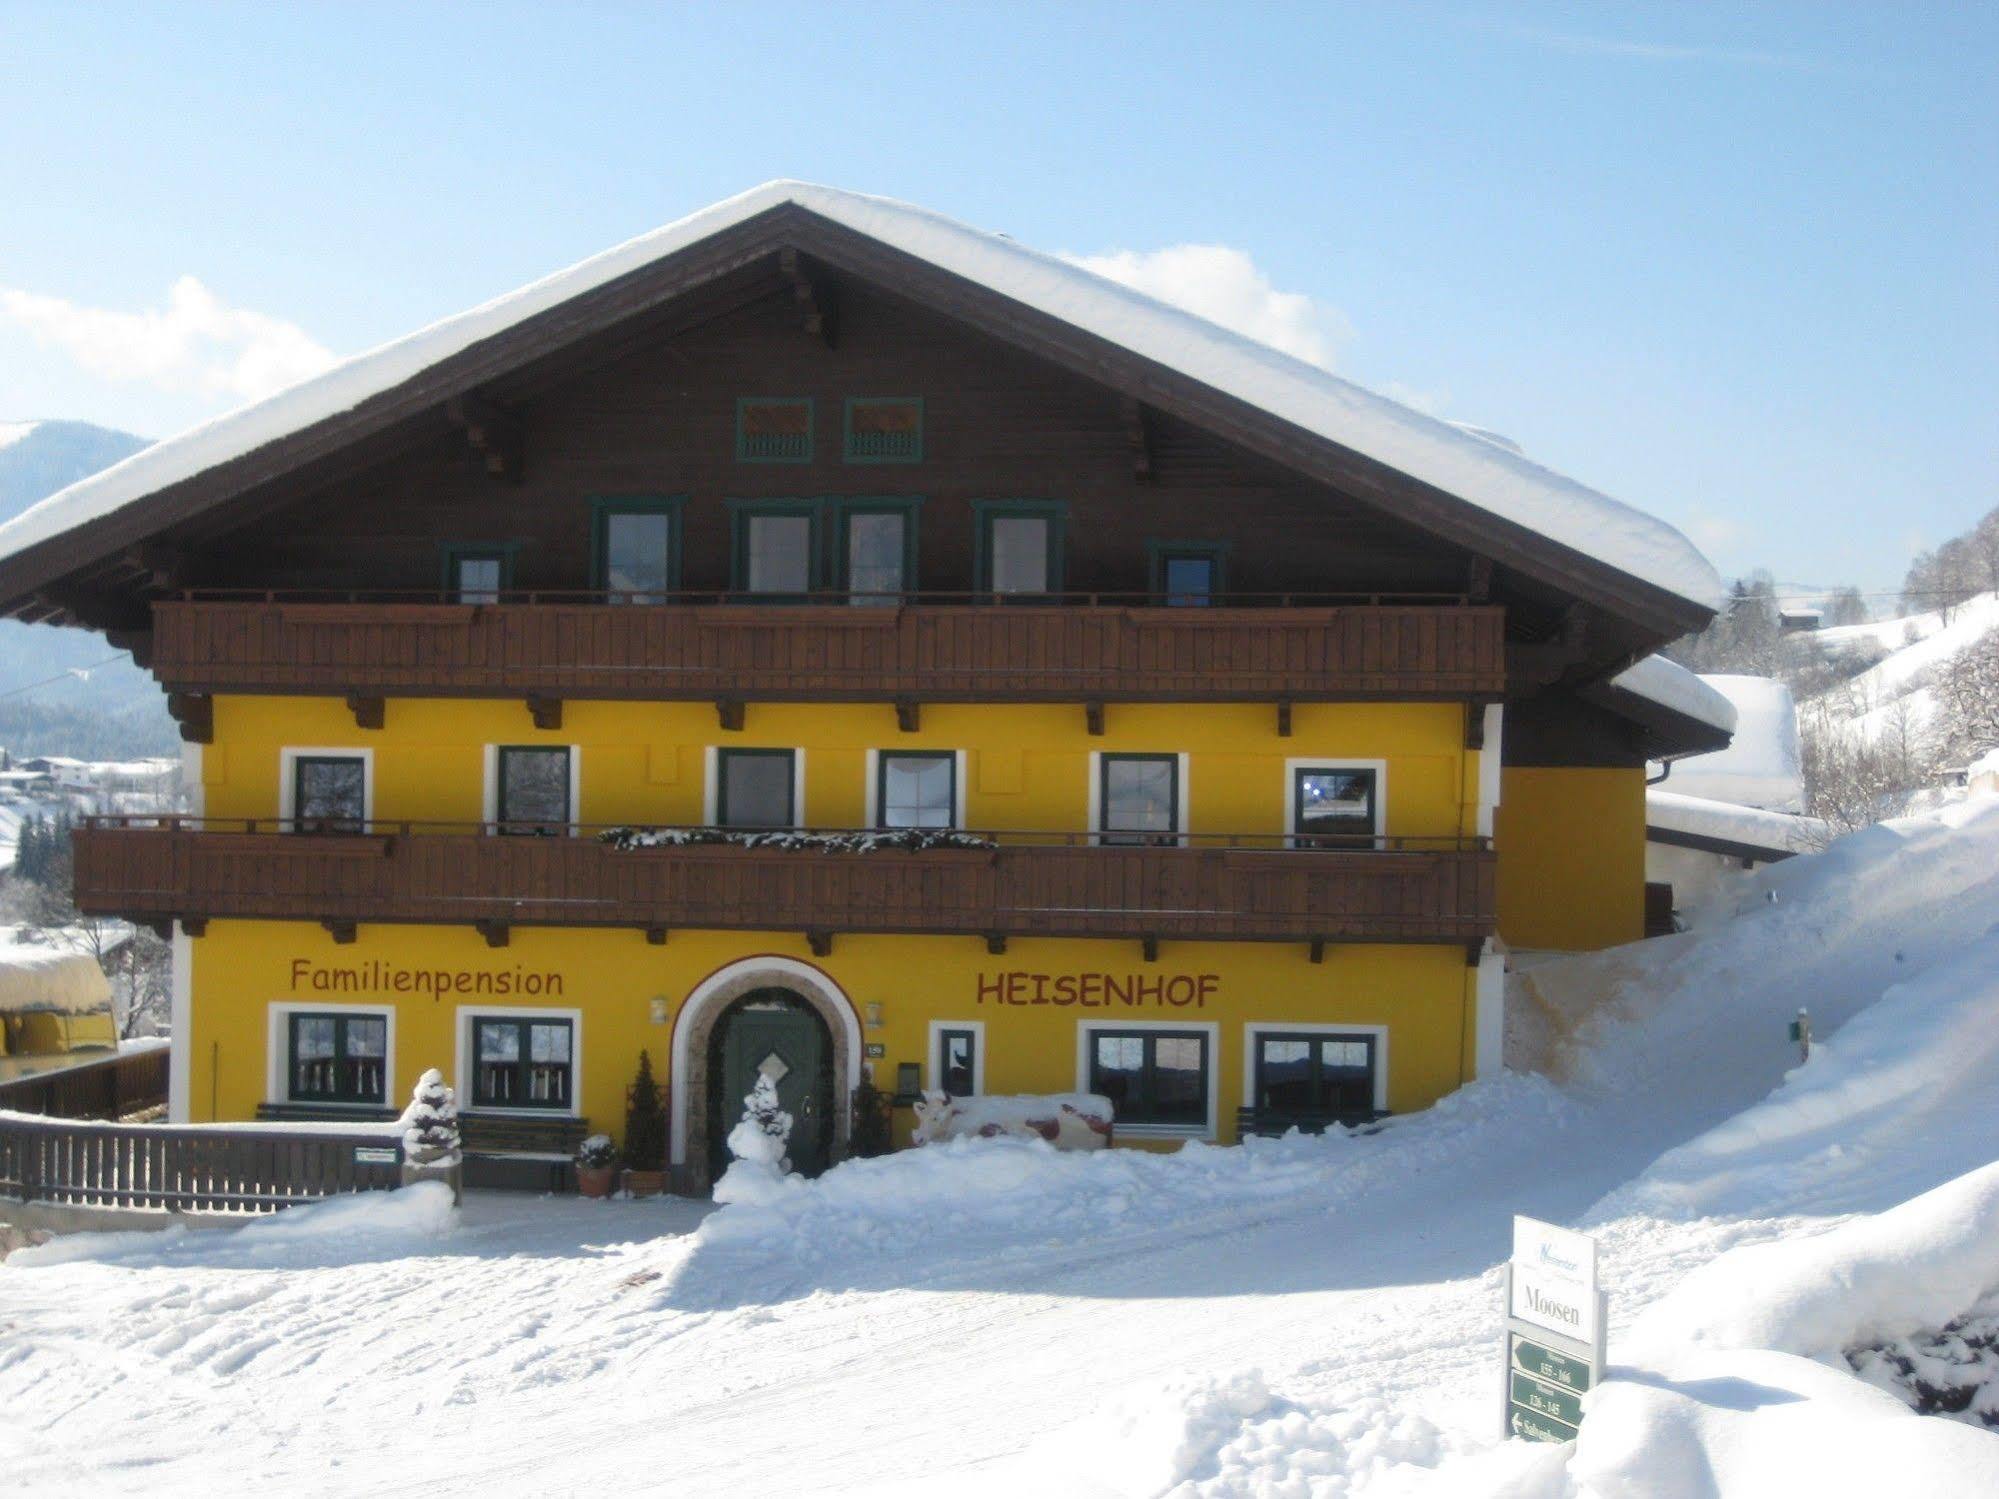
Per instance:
(645,1134)
(596,1166)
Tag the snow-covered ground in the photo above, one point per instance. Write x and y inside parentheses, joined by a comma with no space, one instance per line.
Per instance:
(1293,1317)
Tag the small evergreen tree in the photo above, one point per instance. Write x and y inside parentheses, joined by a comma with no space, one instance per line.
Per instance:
(645,1121)
(430,1123)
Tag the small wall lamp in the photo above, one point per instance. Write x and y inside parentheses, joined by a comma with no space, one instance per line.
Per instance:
(873,1009)
(659,1009)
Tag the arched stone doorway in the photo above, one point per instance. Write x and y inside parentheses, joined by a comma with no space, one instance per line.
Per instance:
(694,1032)
(775,1034)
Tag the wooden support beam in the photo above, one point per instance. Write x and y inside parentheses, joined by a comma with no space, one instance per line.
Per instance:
(656,936)
(1474,726)
(496,933)
(342,932)
(1093,717)
(1474,950)
(195,713)
(1149,946)
(1138,436)
(194,926)
(908,714)
(1318,952)
(546,712)
(813,295)
(138,642)
(163,928)
(1284,718)
(156,566)
(996,943)
(1478,585)
(493,431)
(729,711)
(821,943)
(369,712)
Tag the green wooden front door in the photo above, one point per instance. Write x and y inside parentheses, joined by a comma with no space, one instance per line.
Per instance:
(774,1032)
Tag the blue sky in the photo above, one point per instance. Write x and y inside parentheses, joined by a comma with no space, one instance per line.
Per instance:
(1735,265)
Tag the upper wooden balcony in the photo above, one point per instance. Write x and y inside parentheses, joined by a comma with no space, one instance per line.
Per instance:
(1200,887)
(1055,648)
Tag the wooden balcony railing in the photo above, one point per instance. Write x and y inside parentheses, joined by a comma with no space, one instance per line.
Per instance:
(1206,887)
(1073,648)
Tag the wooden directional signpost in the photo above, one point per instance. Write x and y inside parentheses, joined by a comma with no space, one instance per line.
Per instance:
(1555,1318)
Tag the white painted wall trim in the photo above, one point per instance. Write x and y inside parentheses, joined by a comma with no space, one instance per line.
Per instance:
(1335,762)
(277,1086)
(1488,767)
(180,1055)
(933,1082)
(462,1055)
(1257,1028)
(784,972)
(1086,1029)
(1489,1058)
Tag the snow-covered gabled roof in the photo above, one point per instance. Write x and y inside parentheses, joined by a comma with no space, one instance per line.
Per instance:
(1476,471)
(1677,690)
(1741,829)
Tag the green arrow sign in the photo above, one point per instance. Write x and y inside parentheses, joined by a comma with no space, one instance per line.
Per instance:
(1545,1399)
(1538,1428)
(1549,1366)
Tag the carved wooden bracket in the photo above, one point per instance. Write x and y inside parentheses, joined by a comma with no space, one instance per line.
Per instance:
(493,431)
(1474,726)
(1284,718)
(138,642)
(342,932)
(496,933)
(194,926)
(1093,717)
(729,711)
(369,712)
(908,714)
(1149,946)
(996,943)
(195,713)
(814,296)
(546,712)
(1318,950)
(656,935)
(1478,584)
(821,944)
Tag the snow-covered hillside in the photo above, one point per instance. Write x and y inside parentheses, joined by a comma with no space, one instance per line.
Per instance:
(1893,697)
(1293,1317)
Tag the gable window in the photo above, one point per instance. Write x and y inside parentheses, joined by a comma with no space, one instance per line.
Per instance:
(1019,547)
(336,1058)
(957,1061)
(755,788)
(522,1063)
(1315,1075)
(329,793)
(532,788)
(1138,798)
(1334,805)
(917,789)
(774,429)
(776,542)
(884,429)
(877,550)
(636,550)
(1186,575)
(1151,1077)
(477,574)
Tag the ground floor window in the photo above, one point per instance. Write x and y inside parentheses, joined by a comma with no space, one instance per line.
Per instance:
(957,1060)
(337,1058)
(1314,1074)
(1152,1076)
(522,1064)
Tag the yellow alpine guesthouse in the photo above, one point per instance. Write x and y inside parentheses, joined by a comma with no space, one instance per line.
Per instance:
(822,641)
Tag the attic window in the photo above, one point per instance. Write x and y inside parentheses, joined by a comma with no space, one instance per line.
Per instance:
(774,429)
(884,429)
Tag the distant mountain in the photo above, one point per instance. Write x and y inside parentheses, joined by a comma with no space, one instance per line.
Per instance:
(107,708)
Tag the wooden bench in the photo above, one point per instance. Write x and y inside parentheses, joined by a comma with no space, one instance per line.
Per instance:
(521,1152)
(324,1113)
(1273,1122)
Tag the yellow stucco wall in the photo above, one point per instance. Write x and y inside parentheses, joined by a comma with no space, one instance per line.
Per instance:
(1025,767)
(1571,857)
(243,971)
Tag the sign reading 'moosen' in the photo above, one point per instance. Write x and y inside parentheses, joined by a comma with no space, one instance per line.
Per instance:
(1555,1317)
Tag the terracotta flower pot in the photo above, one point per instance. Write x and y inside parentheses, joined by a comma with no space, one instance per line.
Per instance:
(596,1181)
(645,1183)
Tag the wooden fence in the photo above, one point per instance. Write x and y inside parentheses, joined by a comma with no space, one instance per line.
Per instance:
(107,1088)
(237,1168)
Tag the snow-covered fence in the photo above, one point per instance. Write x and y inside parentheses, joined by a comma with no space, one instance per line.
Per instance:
(232,1167)
(105,1088)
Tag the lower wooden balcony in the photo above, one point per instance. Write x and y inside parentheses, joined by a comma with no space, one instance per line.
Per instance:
(1205,887)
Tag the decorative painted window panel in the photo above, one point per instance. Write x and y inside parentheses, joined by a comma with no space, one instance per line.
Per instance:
(884,429)
(774,429)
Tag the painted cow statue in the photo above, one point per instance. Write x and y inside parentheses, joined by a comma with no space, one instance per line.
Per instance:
(1068,1121)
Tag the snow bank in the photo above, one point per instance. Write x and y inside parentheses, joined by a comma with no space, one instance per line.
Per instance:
(1657,680)
(1479,472)
(1761,766)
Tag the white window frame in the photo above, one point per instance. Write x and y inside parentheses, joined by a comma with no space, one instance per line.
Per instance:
(1085,1033)
(871,799)
(1255,1028)
(490,802)
(290,755)
(711,777)
(464,1060)
(277,1080)
(1183,796)
(933,1082)
(1333,762)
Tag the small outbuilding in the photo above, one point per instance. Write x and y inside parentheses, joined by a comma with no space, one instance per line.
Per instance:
(53,1000)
